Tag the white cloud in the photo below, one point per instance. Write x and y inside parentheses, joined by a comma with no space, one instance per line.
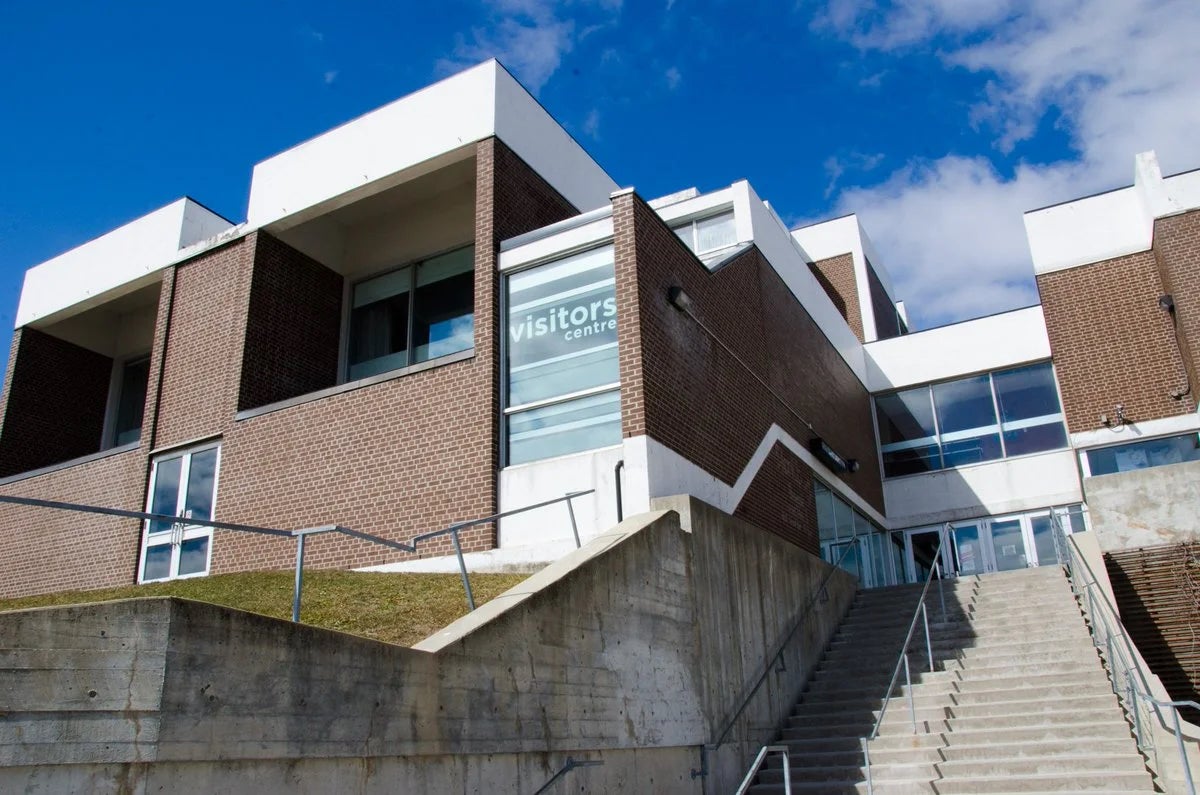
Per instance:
(530,37)
(836,166)
(1119,76)
(674,77)
(330,76)
(591,125)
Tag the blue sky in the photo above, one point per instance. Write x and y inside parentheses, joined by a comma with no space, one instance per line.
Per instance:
(938,121)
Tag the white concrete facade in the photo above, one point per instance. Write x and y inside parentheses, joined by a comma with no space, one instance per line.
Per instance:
(973,346)
(116,263)
(1110,224)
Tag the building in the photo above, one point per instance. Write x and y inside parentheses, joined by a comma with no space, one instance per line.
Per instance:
(446,309)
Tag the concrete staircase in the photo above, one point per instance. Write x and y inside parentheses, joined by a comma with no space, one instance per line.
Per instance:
(1019,700)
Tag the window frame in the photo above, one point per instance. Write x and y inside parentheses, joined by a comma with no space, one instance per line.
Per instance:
(502,307)
(345,364)
(187,532)
(108,437)
(1000,422)
(1085,462)
(707,215)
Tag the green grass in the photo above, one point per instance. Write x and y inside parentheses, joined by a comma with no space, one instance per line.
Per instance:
(396,608)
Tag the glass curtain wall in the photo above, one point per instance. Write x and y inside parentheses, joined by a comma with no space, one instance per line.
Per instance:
(970,420)
(562,390)
(876,558)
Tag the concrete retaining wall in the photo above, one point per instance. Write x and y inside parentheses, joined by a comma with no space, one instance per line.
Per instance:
(1145,507)
(633,651)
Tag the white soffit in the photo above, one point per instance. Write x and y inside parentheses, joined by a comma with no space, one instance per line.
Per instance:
(434,125)
(973,346)
(116,262)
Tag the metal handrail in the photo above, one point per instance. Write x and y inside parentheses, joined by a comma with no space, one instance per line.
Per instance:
(301,535)
(769,663)
(758,761)
(1115,653)
(902,662)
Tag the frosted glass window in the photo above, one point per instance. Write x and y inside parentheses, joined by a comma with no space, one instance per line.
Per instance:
(709,234)
(562,428)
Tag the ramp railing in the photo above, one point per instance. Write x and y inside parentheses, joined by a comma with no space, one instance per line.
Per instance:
(302,534)
(1127,675)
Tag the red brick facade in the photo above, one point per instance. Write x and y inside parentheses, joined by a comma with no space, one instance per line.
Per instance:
(836,276)
(55,401)
(1177,251)
(293,328)
(683,389)
(1111,342)
(253,322)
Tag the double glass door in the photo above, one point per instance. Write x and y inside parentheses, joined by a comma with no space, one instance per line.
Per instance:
(983,546)
(182,484)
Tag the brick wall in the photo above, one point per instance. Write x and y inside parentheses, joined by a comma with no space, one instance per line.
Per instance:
(1111,343)
(683,389)
(44,551)
(781,498)
(397,458)
(836,275)
(1177,252)
(56,399)
(293,328)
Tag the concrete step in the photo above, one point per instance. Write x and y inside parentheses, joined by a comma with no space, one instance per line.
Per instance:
(898,713)
(949,683)
(1032,749)
(1091,779)
(1079,762)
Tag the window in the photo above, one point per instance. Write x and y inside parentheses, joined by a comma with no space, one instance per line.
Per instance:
(132,379)
(182,484)
(562,392)
(703,235)
(1144,454)
(970,420)
(875,557)
(413,314)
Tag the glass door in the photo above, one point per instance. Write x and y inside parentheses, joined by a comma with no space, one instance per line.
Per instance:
(970,550)
(1044,547)
(920,548)
(1007,544)
(182,484)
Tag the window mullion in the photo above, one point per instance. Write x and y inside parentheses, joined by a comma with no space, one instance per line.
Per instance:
(937,430)
(412,311)
(999,419)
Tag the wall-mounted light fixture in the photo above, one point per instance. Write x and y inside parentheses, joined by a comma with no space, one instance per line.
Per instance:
(1166,303)
(1117,420)
(679,299)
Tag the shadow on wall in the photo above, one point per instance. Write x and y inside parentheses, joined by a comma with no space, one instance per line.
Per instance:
(631,651)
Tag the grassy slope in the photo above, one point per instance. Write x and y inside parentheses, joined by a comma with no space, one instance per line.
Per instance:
(397,608)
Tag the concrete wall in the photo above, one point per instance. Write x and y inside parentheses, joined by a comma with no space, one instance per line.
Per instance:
(1146,507)
(633,651)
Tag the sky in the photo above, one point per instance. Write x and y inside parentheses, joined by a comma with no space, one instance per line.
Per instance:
(938,121)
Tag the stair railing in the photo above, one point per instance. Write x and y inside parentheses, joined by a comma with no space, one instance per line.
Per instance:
(769,665)
(922,613)
(758,762)
(1128,676)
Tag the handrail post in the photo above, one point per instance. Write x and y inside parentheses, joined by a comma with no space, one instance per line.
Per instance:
(912,708)
(928,640)
(1132,696)
(462,568)
(787,771)
(937,570)
(867,764)
(574,527)
(1187,768)
(299,586)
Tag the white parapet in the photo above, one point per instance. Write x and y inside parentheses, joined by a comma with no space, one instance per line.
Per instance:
(120,260)
(394,143)
(972,346)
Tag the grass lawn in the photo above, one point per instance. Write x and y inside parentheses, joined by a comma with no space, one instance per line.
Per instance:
(397,608)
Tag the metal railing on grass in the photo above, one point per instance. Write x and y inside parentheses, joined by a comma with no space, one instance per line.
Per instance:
(923,613)
(1128,677)
(301,535)
(769,665)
